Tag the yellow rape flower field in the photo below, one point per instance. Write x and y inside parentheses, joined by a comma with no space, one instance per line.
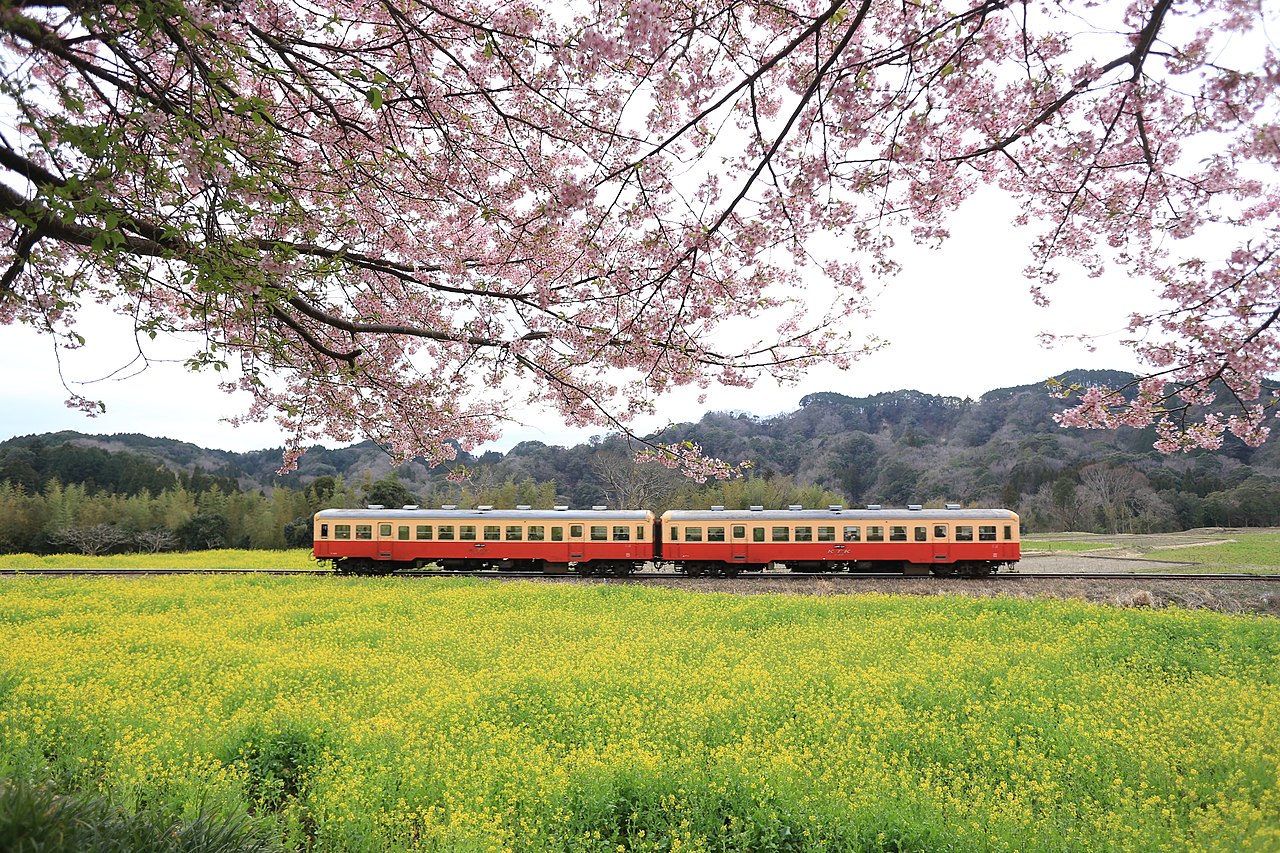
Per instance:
(453,714)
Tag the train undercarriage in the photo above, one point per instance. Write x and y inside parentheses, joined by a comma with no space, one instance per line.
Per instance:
(688,568)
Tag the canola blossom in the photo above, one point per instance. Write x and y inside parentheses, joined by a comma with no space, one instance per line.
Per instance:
(222,559)
(466,715)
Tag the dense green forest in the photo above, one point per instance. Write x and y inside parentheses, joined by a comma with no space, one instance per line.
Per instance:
(94,494)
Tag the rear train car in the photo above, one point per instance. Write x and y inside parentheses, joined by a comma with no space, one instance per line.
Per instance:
(916,541)
(379,541)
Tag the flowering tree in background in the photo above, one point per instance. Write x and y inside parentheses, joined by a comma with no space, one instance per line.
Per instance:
(384,213)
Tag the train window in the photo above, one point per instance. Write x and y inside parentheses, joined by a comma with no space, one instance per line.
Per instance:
(423,531)
(364,531)
(757,534)
(875,533)
(675,534)
(826,534)
(599,533)
(922,534)
(342,531)
(781,534)
(987,533)
(445,532)
(939,531)
(575,531)
(693,534)
(639,532)
(557,534)
(621,533)
(804,534)
(1008,532)
(853,534)
(324,532)
(715,534)
(402,532)
(515,533)
(739,531)
(492,532)
(467,532)
(897,533)
(384,529)
(964,533)
(537,532)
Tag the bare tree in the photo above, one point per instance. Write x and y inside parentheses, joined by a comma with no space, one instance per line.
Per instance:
(92,540)
(155,540)
(628,484)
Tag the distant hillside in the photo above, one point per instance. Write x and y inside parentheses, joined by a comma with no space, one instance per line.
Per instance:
(892,448)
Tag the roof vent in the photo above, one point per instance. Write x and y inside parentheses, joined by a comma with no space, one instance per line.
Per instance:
(599,507)
(375,506)
(914,507)
(561,508)
(795,507)
(523,506)
(448,506)
(717,509)
(485,507)
(410,506)
(836,507)
(757,509)
(953,506)
(873,506)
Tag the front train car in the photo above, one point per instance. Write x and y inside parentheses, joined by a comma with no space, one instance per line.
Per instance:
(377,540)
(914,540)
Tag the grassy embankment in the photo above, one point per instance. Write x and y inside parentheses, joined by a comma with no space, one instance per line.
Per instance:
(462,715)
(296,559)
(1248,550)
(1237,551)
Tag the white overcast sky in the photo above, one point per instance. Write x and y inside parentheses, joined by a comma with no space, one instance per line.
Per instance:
(960,322)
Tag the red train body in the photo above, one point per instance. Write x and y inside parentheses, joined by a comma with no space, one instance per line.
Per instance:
(378,541)
(912,540)
(695,542)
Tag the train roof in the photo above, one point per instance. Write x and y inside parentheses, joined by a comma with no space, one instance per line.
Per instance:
(445,515)
(868,515)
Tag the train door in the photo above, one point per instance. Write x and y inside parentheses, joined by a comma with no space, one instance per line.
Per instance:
(384,541)
(577,541)
(941,540)
(738,543)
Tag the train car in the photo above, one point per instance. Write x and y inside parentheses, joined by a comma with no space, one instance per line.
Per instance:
(377,540)
(969,542)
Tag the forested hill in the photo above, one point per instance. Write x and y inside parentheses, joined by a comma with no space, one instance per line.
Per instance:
(892,448)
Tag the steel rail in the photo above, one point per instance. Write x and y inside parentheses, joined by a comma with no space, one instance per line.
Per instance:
(746,576)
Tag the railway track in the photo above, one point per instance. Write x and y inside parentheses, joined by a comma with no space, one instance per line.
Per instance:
(747,577)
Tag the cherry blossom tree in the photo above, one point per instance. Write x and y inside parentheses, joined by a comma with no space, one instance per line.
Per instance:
(382,215)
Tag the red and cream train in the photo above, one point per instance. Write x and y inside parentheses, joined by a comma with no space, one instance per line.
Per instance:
(716,542)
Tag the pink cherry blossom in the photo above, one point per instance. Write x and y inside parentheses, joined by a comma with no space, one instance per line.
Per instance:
(380,218)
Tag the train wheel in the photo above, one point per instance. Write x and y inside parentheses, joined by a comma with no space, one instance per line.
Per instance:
(976,570)
(364,567)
